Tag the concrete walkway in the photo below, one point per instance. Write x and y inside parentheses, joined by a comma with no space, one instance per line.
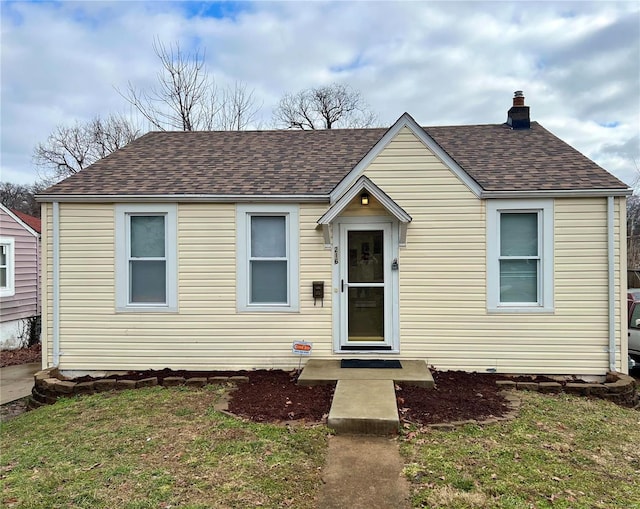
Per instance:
(363,473)
(17,381)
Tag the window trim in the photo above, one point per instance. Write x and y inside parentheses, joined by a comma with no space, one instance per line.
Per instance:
(122,250)
(243,251)
(10,289)
(545,210)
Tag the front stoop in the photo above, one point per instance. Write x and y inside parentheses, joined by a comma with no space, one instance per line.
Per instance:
(320,371)
(364,407)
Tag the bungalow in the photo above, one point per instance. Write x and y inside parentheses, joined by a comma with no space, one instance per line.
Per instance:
(476,247)
(19,279)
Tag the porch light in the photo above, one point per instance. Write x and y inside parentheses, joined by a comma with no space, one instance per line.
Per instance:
(364,198)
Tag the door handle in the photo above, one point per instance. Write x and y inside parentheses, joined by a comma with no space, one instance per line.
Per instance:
(342,285)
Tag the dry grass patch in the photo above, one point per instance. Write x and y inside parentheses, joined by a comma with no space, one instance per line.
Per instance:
(155,448)
(561,452)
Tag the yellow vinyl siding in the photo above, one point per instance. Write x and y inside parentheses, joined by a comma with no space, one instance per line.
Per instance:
(443,316)
(443,311)
(207,332)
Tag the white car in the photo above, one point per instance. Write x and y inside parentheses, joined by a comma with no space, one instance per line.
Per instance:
(633,305)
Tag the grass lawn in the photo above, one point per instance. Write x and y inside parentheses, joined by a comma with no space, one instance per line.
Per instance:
(561,452)
(155,448)
(167,448)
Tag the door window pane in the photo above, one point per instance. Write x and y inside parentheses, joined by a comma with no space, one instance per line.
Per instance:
(147,236)
(268,237)
(366,314)
(366,256)
(269,282)
(148,281)
(518,281)
(519,234)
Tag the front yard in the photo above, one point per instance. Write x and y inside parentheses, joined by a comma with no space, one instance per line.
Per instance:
(155,448)
(560,452)
(167,448)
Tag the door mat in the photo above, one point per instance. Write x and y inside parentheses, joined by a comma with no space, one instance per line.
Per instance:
(370,363)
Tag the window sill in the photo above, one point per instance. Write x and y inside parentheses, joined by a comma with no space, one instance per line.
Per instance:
(7,292)
(147,309)
(521,309)
(268,309)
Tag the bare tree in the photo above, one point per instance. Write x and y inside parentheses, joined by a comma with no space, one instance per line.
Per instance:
(186,97)
(70,149)
(325,107)
(238,108)
(21,197)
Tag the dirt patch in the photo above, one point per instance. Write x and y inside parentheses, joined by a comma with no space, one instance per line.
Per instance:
(458,396)
(13,409)
(20,356)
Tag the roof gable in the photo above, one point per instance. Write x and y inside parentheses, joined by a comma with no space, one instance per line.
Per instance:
(407,121)
(29,223)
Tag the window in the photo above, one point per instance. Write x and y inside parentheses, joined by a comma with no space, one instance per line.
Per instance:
(520,255)
(267,264)
(7,267)
(146,261)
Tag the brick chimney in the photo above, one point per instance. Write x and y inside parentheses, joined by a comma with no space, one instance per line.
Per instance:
(518,115)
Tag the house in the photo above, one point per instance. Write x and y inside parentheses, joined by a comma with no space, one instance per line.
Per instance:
(476,247)
(19,279)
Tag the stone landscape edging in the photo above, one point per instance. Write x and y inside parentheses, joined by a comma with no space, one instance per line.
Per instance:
(617,387)
(49,386)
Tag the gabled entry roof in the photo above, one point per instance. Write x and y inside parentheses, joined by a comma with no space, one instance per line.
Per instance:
(365,184)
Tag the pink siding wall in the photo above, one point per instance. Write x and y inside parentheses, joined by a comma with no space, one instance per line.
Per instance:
(26,301)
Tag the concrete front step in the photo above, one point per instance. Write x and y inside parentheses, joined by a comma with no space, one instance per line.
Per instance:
(365,407)
(320,371)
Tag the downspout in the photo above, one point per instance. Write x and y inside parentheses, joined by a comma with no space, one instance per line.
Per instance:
(612,283)
(56,284)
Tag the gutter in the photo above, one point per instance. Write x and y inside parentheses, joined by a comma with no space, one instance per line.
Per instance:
(557,193)
(301,198)
(56,284)
(612,283)
(174,198)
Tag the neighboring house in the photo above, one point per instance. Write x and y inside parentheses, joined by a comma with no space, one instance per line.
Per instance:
(483,247)
(19,278)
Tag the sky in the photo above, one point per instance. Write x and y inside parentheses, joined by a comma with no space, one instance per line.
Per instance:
(445,63)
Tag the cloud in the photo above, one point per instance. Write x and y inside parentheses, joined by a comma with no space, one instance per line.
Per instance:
(443,62)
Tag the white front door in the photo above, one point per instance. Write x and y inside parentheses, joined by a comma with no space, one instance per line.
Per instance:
(365,259)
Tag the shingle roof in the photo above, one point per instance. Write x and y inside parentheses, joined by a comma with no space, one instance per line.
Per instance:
(32,222)
(313,162)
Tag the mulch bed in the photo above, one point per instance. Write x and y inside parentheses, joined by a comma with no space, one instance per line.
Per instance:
(458,396)
(274,396)
(21,356)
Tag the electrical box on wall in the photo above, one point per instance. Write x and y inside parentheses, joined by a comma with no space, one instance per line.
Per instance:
(318,291)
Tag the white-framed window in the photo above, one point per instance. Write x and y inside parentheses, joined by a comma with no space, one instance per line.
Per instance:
(267,257)
(520,255)
(7,267)
(146,258)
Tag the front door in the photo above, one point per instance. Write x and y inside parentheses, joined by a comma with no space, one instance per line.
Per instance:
(365,286)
